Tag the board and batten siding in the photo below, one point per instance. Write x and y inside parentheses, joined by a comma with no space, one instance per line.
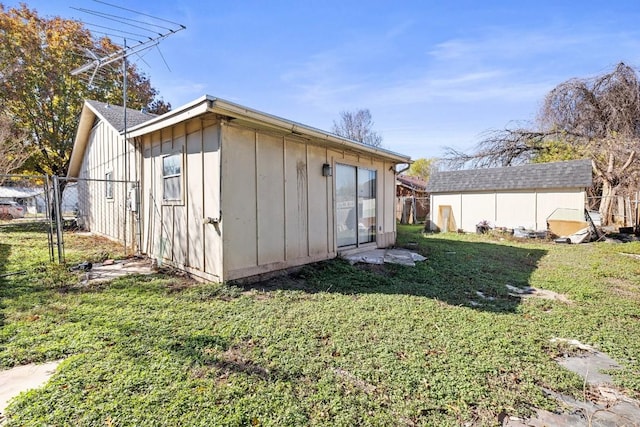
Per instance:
(273,206)
(107,217)
(278,209)
(176,232)
(511,209)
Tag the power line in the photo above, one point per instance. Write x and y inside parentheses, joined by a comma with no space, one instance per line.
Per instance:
(139,13)
(89,24)
(120,19)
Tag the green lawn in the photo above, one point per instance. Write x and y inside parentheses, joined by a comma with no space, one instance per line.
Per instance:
(331,345)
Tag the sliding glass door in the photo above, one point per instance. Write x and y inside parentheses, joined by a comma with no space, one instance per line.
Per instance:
(355,205)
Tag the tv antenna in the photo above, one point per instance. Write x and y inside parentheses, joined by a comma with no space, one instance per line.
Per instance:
(147,29)
(120,22)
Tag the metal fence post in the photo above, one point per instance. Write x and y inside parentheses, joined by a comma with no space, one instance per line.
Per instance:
(59,221)
(47,198)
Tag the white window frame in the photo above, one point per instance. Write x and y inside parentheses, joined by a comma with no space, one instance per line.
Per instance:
(173,175)
(108,185)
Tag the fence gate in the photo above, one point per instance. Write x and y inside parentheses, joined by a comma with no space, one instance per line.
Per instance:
(106,208)
(26,228)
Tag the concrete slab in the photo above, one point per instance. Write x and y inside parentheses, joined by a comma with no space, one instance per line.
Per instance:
(111,270)
(528,292)
(22,378)
(604,407)
(591,366)
(381,256)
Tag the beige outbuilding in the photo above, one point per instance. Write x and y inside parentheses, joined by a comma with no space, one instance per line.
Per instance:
(226,192)
(521,196)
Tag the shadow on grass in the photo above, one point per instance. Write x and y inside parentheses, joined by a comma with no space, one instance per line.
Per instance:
(461,273)
(218,353)
(25,226)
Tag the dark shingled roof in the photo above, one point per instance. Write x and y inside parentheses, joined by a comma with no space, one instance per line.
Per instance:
(114,115)
(570,174)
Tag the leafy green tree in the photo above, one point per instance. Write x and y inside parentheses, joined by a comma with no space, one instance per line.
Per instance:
(12,156)
(558,151)
(422,168)
(39,93)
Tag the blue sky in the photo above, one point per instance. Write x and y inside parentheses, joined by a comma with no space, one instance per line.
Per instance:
(432,73)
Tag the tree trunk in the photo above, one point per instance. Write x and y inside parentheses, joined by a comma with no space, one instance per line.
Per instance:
(606,204)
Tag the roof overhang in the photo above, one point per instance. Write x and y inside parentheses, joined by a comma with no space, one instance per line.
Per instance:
(87,117)
(248,116)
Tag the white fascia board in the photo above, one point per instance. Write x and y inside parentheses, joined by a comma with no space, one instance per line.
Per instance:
(222,107)
(186,112)
(81,140)
(230,109)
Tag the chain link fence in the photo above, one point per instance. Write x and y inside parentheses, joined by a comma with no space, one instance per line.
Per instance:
(26,228)
(38,214)
(105,208)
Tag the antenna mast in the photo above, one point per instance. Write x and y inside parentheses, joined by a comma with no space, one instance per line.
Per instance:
(150,27)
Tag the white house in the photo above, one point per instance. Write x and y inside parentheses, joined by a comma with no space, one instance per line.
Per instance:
(31,198)
(227,192)
(511,197)
(103,162)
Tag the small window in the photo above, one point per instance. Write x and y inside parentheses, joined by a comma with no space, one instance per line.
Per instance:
(108,185)
(172,177)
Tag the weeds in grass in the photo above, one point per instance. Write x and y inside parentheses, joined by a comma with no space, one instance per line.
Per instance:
(333,344)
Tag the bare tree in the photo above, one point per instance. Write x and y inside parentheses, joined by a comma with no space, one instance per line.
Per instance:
(596,118)
(357,126)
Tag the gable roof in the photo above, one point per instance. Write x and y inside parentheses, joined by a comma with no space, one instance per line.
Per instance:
(114,115)
(569,174)
(258,119)
(19,192)
(111,114)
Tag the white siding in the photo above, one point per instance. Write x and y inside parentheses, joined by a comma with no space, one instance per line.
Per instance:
(517,209)
(477,207)
(105,153)
(550,201)
(441,201)
(510,209)
(239,209)
(270,208)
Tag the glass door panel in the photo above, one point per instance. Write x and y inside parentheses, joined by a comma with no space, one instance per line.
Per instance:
(366,205)
(355,205)
(346,217)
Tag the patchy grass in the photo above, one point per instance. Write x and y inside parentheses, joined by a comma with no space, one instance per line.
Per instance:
(334,344)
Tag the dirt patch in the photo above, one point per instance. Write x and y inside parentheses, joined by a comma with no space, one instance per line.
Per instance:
(623,288)
(290,282)
(379,269)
